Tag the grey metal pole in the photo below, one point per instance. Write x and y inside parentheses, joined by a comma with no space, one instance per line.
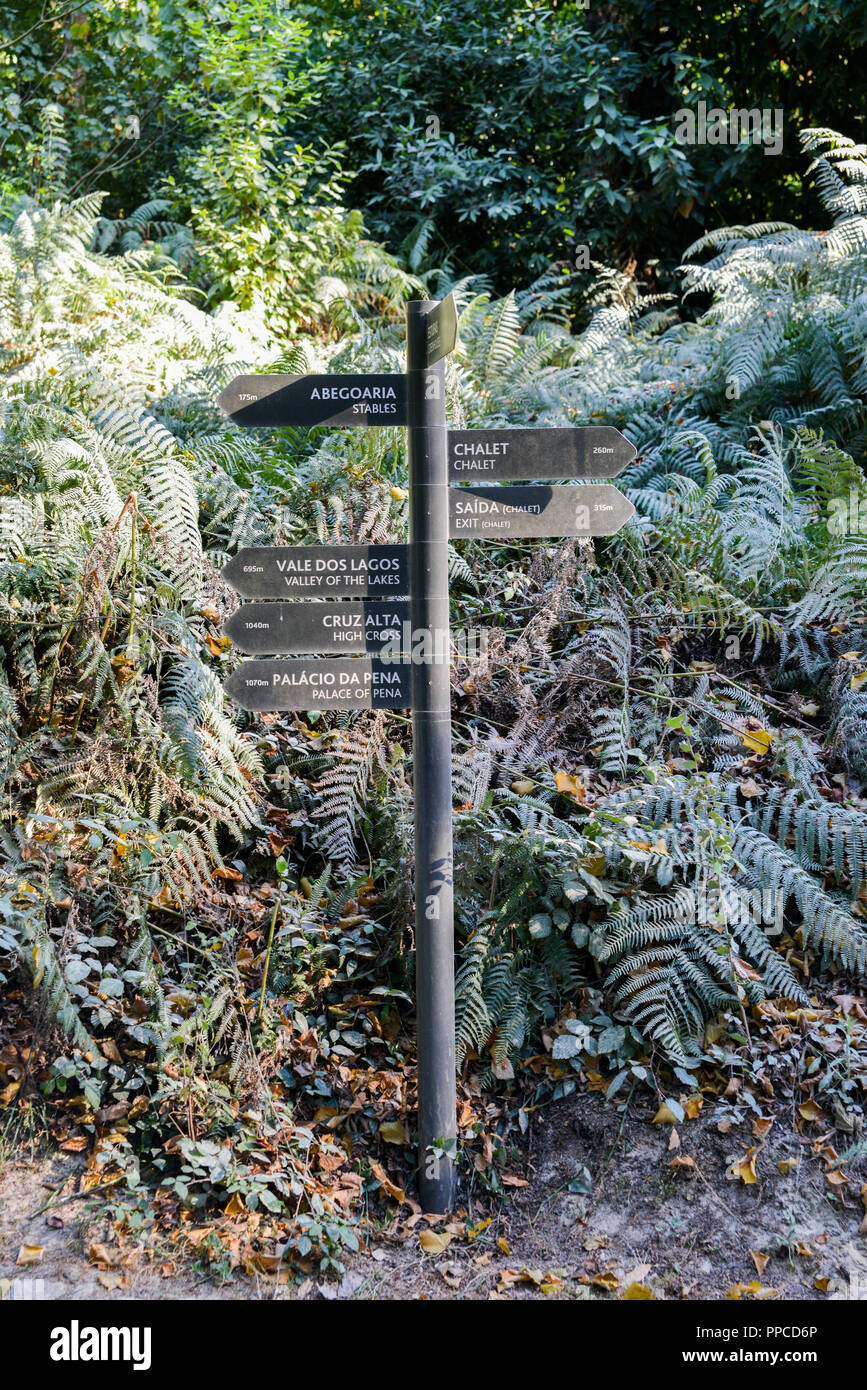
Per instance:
(432,763)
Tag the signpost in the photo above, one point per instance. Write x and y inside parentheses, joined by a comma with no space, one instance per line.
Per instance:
(593,509)
(371,583)
(292,628)
(319,571)
(441,331)
(342,683)
(316,400)
(498,456)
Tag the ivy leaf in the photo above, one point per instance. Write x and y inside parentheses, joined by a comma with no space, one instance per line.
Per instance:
(540,925)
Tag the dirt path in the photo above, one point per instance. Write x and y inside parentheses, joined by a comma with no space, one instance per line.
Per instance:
(683,1231)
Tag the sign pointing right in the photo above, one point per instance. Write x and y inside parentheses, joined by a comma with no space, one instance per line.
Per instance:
(596,451)
(588,509)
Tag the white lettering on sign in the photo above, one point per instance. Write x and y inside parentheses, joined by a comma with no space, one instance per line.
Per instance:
(345,685)
(463,450)
(353,393)
(352,620)
(340,564)
(479,506)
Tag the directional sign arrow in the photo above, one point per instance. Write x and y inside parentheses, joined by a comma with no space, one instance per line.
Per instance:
(365,626)
(594,451)
(361,682)
(375,399)
(596,509)
(441,330)
(311,571)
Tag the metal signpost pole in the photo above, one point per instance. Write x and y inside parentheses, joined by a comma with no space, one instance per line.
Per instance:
(432,761)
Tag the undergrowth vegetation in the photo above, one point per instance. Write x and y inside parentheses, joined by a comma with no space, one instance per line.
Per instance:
(660,755)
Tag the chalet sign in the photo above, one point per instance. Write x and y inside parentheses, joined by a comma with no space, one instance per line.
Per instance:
(496,456)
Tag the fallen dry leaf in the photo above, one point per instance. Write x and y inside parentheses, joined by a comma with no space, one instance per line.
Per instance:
(30,1254)
(100,1254)
(683,1161)
(393,1131)
(549,1283)
(385,1181)
(76,1144)
(811,1112)
(752,1290)
(745,1168)
(434,1242)
(664,1116)
(757,740)
(569,785)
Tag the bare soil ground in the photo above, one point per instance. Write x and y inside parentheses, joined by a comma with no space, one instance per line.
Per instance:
(670,1232)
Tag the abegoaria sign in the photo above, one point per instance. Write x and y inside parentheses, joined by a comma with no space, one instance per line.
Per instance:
(307,401)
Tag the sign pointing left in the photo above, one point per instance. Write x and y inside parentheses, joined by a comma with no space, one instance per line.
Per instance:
(305,401)
(319,571)
(360,682)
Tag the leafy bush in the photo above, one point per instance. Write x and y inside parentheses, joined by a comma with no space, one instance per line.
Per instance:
(680,710)
(519,132)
